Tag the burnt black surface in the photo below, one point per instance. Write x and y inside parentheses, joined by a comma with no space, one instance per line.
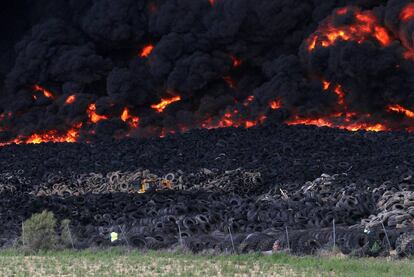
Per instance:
(282,153)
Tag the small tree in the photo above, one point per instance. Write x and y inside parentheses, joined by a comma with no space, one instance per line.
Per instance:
(39,232)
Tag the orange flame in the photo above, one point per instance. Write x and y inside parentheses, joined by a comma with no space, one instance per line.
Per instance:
(382,36)
(45,92)
(275,104)
(125,115)
(407,13)
(70,100)
(160,107)
(133,121)
(399,109)
(70,136)
(146,51)
(341,95)
(366,26)
(331,122)
(338,91)
(93,116)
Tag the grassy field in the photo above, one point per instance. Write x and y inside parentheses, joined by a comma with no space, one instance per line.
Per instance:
(122,263)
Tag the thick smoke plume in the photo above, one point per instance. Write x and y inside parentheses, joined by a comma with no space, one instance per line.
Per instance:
(82,69)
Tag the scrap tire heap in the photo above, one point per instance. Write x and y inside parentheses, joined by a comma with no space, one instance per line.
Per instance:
(298,189)
(405,245)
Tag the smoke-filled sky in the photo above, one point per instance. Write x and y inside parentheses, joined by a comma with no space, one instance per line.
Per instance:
(73,70)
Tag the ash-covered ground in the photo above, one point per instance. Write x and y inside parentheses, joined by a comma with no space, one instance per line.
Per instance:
(205,188)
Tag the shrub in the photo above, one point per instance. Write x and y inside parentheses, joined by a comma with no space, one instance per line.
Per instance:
(65,234)
(39,232)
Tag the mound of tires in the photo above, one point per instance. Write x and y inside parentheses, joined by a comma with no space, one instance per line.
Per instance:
(203,216)
(227,190)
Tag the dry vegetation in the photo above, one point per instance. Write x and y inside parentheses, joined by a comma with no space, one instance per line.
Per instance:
(149,264)
(123,263)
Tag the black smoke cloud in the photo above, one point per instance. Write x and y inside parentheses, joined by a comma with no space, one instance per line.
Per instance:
(91,49)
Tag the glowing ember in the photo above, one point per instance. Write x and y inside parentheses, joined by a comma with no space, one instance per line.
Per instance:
(342,11)
(409,55)
(133,121)
(227,121)
(163,133)
(249,99)
(399,109)
(230,82)
(274,105)
(5,115)
(365,26)
(341,95)
(93,116)
(45,92)
(236,62)
(160,107)
(407,13)
(338,91)
(70,100)
(250,124)
(146,51)
(232,119)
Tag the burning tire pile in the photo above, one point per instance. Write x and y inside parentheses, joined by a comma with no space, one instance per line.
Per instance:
(228,85)
(272,187)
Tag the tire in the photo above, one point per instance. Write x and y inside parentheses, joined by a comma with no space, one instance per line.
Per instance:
(137,241)
(405,245)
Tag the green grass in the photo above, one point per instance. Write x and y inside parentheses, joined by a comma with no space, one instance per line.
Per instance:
(119,262)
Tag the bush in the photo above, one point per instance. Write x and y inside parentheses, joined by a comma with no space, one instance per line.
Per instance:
(39,232)
(65,234)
